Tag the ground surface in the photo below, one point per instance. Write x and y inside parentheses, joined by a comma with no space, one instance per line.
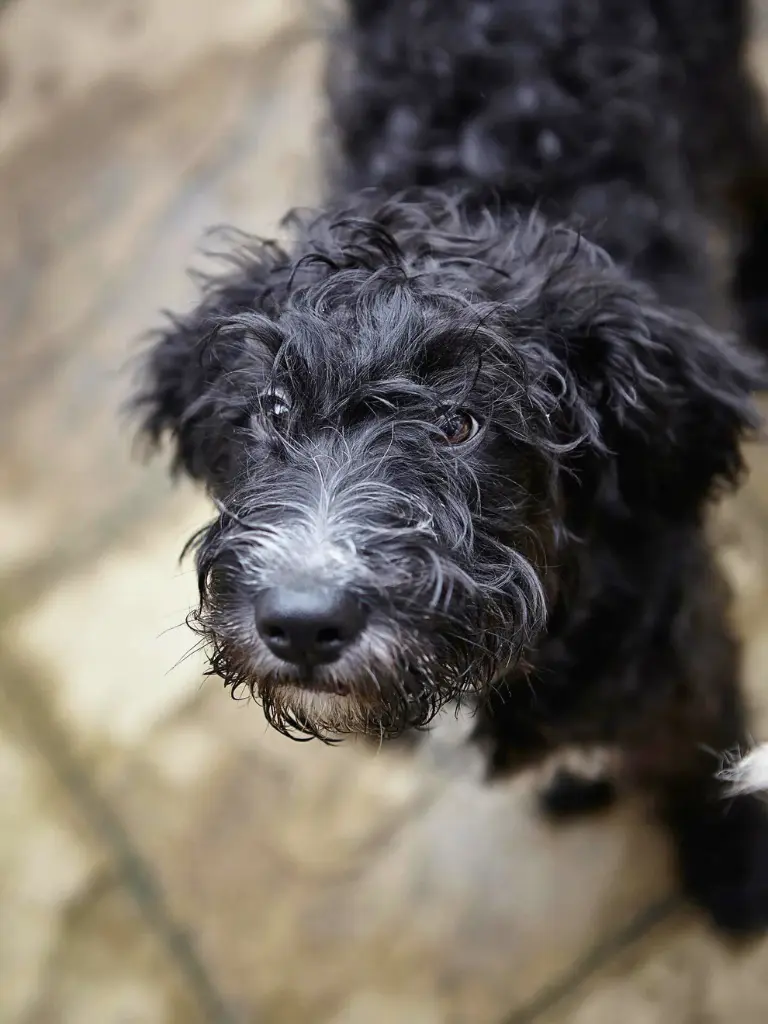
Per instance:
(162,857)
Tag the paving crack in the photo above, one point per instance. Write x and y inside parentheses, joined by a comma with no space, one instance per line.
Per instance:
(551,996)
(20,690)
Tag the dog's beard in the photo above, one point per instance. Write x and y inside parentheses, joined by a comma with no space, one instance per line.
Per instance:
(391,684)
(297,711)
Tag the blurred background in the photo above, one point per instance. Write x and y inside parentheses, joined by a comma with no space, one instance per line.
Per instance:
(164,858)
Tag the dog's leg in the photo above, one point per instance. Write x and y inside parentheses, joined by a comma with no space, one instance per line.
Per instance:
(721,837)
(722,843)
(583,783)
(509,736)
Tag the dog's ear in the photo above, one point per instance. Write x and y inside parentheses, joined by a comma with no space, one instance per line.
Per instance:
(665,398)
(185,390)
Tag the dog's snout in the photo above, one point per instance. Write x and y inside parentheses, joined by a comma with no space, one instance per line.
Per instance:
(308,626)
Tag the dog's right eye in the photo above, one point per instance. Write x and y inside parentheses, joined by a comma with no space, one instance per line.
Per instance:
(458,427)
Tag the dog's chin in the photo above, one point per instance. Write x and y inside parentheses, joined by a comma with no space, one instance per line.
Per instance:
(318,711)
(334,709)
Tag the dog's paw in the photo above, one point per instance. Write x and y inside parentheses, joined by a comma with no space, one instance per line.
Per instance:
(723,850)
(569,795)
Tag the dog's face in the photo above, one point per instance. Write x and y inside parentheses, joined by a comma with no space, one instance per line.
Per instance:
(384,493)
(393,453)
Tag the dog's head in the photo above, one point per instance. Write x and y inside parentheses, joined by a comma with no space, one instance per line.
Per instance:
(405,428)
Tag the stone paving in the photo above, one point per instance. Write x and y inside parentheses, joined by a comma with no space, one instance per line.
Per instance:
(164,858)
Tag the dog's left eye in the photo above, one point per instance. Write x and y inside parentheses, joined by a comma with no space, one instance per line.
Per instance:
(458,427)
(275,404)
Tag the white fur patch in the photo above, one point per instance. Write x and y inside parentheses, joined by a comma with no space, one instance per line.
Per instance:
(749,774)
(590,764)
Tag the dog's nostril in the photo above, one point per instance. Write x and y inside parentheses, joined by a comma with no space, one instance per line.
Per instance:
(308,626)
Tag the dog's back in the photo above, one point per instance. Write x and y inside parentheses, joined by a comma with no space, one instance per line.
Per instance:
(635,116)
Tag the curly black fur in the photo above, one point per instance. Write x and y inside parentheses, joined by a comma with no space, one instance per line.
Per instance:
(477,396)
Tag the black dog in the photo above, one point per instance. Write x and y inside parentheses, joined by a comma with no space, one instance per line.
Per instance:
(462,433)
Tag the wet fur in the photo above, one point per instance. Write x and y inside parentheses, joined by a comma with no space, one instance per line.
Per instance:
(516,226)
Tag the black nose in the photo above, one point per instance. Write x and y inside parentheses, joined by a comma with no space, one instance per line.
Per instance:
(309,626)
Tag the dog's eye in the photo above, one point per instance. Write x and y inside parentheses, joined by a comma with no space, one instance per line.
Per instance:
(458,427)
(275,404)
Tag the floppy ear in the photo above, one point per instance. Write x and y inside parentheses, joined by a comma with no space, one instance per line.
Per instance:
(680,399)
(668,399)
(183,392)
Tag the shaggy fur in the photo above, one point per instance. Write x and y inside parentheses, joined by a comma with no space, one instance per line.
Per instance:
(748,774)
(473,411)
